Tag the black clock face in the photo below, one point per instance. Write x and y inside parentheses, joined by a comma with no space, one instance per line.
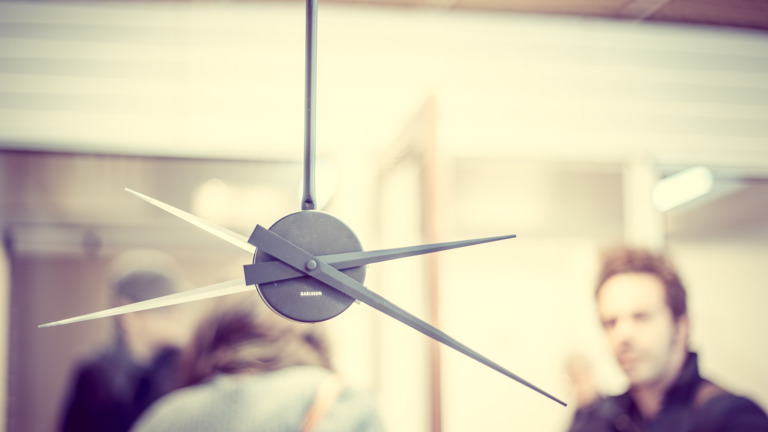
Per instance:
(306,299)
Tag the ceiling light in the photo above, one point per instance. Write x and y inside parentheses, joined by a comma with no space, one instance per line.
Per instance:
(682,187)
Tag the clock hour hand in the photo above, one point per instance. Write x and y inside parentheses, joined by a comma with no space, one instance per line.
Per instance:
(299,259)
(220,232)
(273,271)
(210,291)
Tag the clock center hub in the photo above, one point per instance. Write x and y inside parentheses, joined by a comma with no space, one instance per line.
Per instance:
(306,299)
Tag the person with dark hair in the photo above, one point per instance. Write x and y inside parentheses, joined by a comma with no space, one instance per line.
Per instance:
(642,306)
(109,391)
(250,370)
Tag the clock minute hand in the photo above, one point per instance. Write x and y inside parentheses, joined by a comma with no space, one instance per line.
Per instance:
(354,259)
(299,259)
(273,271)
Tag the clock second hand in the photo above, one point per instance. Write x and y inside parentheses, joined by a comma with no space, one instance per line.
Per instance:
(296,257)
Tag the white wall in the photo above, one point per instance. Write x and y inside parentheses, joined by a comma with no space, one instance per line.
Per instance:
(525,304)
(727,283)
(226,79)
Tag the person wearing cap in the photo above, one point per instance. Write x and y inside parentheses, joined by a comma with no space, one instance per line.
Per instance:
(111,389)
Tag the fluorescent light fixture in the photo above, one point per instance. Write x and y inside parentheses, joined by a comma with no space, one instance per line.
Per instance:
(682,187)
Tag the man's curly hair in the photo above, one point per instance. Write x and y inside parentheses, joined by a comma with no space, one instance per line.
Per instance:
(637,260)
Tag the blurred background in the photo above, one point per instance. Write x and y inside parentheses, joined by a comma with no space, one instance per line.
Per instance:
(566,123)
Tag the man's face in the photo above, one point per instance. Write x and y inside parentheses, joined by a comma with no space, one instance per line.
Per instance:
(641,331)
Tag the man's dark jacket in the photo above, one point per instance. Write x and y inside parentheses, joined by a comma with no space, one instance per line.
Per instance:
(692,404)
(109,392)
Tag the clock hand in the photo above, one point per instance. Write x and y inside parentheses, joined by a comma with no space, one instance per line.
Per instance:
(299,259)
(354,259)
(210,291)
(220,232)
(273,271)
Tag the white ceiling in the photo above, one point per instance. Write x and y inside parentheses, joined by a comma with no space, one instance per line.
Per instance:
(226,80)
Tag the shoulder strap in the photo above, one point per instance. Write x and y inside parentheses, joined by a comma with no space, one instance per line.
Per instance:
(327,393)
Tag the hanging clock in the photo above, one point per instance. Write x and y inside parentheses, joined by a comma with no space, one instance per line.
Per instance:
(309,266)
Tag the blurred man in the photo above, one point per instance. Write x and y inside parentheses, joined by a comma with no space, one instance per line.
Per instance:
(110,390)
(642,307)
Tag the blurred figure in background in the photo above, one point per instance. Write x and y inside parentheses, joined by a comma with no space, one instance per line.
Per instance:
(642,306)
(582,382)
(110,390)
(250,370)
